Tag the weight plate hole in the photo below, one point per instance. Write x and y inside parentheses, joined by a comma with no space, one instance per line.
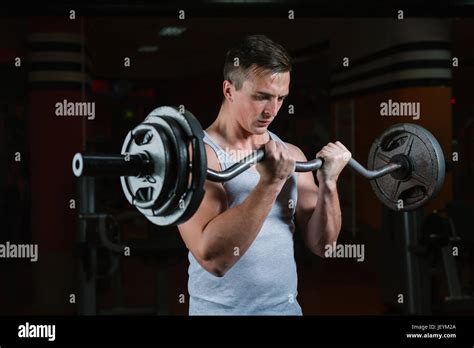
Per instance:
(144,194)
(142,138)
(150,179)
(413,194)
(394,144)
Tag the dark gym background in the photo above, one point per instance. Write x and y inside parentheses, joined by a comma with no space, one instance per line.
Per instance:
(82,59)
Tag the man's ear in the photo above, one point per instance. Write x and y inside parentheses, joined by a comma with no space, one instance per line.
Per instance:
(228,90)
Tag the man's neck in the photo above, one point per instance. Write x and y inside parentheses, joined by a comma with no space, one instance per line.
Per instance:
(232,134)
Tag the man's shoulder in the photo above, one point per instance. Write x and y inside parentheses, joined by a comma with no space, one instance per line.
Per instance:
(212,130)
(296,152)
(211,151)
(213,135)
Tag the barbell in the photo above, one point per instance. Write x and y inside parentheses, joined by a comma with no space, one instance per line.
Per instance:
(163,166)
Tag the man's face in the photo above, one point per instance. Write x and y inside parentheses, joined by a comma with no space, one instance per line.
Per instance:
(257,103)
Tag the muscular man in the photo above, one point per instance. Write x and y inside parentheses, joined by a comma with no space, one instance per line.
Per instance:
(241,238)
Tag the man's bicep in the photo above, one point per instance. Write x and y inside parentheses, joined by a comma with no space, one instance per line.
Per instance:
(213,203)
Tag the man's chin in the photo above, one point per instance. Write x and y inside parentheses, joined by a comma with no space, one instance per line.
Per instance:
(259,130)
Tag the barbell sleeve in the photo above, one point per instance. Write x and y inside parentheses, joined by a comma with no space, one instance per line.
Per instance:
(113,165)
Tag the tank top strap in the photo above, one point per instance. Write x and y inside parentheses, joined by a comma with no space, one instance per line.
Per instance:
(276,138)
(223,157)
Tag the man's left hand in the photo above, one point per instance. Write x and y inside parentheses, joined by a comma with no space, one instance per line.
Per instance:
(335,156)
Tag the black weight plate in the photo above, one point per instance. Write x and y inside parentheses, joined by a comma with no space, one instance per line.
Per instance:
(171,168)
(199,166)
(180,175)
(427,161)
(192,197)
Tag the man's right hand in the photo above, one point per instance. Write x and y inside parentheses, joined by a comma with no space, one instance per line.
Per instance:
(277,166)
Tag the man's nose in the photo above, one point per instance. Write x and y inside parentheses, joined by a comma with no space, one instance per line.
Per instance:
(271,108)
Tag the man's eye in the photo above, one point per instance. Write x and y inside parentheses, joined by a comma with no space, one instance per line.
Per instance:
(264,97)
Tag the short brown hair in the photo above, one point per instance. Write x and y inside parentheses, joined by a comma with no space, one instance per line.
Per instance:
(254,52)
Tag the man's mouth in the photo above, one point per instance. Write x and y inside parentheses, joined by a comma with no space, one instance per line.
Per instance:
(265,123)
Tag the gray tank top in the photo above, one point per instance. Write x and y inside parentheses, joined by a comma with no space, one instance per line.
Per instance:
(264,280)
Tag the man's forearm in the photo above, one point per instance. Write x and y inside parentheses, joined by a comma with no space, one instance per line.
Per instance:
(325,224)
(228,236)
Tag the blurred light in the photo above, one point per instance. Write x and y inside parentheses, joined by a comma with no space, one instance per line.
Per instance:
(172,31)
(100,86)
(129,114)
(147,49)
